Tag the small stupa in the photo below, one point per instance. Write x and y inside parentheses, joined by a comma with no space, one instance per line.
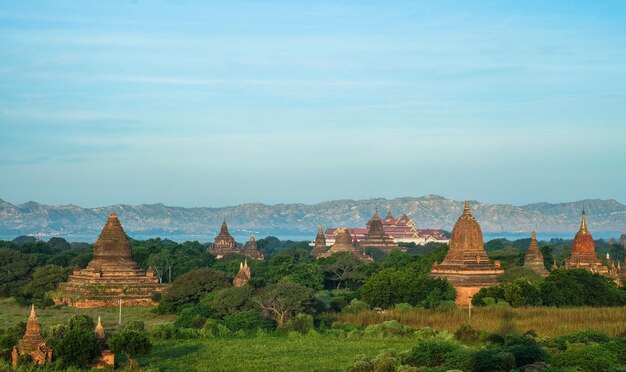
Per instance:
(533,259)
(32,344)
(106,359)
(250,250)
(344,243)
(467,266)
(319,246)
(112,275)
(243,276)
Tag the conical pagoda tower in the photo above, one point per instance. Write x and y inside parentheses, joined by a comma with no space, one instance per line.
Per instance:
(533,259)
(243,276)
(106,359)
(250,250)
(344,243)
(112,275)
(319,246)
(376,236)
(224,243)
(32,343)
(584,251)
(467,266)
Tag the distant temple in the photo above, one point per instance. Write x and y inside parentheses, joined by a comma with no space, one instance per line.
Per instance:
(106,359)
(111,276)
(224,243)
(376,236)
(400,230)
(250,250)
(243,276)
(319,245)
(584,256)
(622,240)
(344,243)
(466,266)
(533,259)
(32,344)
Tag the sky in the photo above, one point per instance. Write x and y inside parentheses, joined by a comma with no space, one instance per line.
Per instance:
(198,103)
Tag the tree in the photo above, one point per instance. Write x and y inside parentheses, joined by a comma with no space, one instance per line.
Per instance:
(342,268)
(230,300)
(15,267)
(160,262)
(283,300)
(191,287)
(130,343)
(78,348)
(580,288)
(45,278)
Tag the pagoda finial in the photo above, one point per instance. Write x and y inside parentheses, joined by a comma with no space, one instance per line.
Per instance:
(32,312)
(466,210)
(252,237)
(583,223)
(534,235)
(245,262)
(376,217)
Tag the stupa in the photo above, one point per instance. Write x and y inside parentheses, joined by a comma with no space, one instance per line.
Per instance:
(32,344)
(106,359)
(376,236)
(224,243)
(344,243)
(319,247)
(243,276)
(533,259)
(250,250)
(584,252)
(112,275)
(467,266)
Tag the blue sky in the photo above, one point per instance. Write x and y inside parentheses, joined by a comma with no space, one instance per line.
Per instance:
(212,104)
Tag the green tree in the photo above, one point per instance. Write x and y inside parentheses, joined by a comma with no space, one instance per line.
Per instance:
(342,268)
(45,278)
(281,301)
(160,262)
(191,287)
(230,300)
(130,343)
(580,288)
(78,348)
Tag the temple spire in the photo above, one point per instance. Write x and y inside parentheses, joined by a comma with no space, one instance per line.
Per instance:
(32,316)
(583,223)
(376,217)
(466,210)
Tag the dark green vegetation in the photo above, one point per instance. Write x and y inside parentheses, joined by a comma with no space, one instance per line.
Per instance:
(298,313)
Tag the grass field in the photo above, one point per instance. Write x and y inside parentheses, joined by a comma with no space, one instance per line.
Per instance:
(546,321)
(11,313)
(265,353)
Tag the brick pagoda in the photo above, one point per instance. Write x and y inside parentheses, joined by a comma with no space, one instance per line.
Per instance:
(112,275)
(224,243)
(243,276)
(376,236)
(467,266)
(533,259)
(319,246)
(344,243)
(32,344)
(250,250)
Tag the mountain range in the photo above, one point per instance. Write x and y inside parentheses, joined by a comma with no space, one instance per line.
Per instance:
(432,211)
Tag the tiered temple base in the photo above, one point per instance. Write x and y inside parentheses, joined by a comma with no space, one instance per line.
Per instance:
(467,280)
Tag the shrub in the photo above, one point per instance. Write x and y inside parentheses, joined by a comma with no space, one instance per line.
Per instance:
(587,358)
(585,336)
(230,300)
(387,361)
(403,307)
(466,333)
(527,354)
(494,359)
(461,359)
(361,363)
(355,306)
(191,287)
(78,348)
(430,353)
(131,344)
(248,321)
(213,328)
(135,325)
(387,328)
(301,323)
(193,317)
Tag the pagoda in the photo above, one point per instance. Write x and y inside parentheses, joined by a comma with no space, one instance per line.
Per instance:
(319,246)
(250,250)
(344,243)
(32,344)
(224,243)
(584,252)
(376,236)
(467,266)
(533,259)
(106,359)
(622,240)
(243,276)
(111,276)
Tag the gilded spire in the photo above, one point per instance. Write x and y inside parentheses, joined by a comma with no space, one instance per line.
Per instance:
(376,217)
(32,316)
(99,330)
(252,237)
(466,210)
(534,235)
(583,223)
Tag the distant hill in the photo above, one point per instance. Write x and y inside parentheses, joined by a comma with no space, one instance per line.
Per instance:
(302,219)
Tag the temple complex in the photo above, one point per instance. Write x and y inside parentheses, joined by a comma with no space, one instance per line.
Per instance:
(467,266)
(344,243)
(533,259)
(106,358)
(111,276)
(250,249)
(243,276)
(400,230)
(32,344)
(319,245)
(224,243)
(376,236)
(584,252)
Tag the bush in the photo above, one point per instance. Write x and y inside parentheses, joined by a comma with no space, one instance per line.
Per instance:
(494,359)
(430,353)
(213,328)
(466,333)
(191,287)
(528,354)
(193,317)
(135,325)
(230,300)
(78,348)
(248,321)
(387,328)
(301,323)
(585,336)
(403,307)
(586,357)
(355,306)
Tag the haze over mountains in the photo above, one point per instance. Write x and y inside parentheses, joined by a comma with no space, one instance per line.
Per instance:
(285,220)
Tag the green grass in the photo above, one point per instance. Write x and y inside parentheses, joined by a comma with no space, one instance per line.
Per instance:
(11,313)
(266,353)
